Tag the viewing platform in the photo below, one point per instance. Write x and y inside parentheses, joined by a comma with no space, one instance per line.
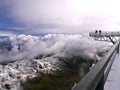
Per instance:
(105,36)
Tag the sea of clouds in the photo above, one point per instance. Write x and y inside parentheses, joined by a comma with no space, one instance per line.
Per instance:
(19,47)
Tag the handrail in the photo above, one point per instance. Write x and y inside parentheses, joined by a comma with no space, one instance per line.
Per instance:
(95,76)
(105,36)
(112,34)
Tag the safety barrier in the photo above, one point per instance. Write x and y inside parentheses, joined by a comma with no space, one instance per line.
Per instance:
(96,77)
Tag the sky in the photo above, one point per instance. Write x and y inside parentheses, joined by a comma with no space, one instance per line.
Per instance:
(59,16)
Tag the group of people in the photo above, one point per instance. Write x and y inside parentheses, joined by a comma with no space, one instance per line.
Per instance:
(98,31)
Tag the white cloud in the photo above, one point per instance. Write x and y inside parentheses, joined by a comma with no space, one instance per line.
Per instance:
(70,15)
(28,47)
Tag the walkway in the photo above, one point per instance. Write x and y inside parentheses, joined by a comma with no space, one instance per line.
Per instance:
(113,80)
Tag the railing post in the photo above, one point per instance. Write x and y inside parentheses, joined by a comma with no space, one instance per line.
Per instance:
(100,85)
(118,48)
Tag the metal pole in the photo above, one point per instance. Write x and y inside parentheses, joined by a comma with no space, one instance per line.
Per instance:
(118,48)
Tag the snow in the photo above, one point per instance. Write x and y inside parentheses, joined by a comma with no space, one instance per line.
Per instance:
(15,73)
(113,80)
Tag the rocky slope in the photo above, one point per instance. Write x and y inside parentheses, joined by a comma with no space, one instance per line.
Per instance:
(13,74)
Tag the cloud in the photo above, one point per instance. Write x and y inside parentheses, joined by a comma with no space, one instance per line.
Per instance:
(73,16)
(27,47)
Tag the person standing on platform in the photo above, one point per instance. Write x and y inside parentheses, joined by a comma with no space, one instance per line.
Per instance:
(96,31)
(100,31)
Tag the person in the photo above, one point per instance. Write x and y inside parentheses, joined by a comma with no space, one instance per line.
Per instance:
(96,31)
(95,34)
(99,31)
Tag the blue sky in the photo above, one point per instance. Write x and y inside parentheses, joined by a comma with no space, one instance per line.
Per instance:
(61,16)
(5,20)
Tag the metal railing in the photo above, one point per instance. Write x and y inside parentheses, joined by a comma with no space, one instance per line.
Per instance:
(105,36)
(96,77)
(93,34)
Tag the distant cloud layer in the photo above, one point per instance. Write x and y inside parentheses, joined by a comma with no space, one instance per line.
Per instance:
(27,47)
(66,16)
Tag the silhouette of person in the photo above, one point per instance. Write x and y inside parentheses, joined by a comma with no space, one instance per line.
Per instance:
(100,31)
(96,31)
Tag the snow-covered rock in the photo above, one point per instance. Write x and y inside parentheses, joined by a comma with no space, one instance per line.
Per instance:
(12,74)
